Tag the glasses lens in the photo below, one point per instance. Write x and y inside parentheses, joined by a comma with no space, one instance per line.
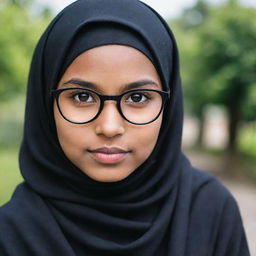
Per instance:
(79,105)
(141,106)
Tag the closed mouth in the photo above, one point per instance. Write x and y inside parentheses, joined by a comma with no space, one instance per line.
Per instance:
(109,150)
(109,155)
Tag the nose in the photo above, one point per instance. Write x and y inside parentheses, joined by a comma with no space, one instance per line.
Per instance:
(110,123)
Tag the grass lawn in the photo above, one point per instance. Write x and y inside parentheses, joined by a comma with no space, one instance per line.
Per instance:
(9,173)
(247,147)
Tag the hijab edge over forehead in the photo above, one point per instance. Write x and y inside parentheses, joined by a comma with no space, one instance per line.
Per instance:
(98,34)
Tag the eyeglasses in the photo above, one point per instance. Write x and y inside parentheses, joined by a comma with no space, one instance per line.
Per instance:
(137,106)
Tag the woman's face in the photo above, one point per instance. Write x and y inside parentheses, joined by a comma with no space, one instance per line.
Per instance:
(109,148)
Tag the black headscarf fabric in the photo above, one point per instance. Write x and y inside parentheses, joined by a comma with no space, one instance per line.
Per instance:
(165,207)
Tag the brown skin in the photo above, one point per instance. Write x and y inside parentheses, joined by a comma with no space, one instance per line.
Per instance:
(110,68)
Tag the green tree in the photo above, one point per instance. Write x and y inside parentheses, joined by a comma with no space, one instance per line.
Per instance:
(20,3)
(221,63)
(228,60)
(185,28)
(19,32)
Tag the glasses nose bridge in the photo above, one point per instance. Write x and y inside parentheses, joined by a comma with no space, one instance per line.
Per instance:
(110,97)
(115,98)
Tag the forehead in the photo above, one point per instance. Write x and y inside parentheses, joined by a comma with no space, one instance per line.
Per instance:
(111,66)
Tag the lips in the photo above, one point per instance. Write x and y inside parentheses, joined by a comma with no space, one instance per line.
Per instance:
(108,155)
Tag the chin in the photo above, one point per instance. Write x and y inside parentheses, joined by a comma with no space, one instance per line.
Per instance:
(108,176)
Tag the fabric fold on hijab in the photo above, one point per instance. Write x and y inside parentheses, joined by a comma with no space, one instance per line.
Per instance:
(64,212)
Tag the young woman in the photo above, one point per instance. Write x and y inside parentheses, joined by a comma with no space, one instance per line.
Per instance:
(101,155)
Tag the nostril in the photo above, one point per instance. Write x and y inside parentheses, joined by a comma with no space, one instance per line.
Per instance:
(109,130)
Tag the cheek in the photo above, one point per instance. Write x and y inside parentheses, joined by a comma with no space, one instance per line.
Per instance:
(69,137)
(147,137)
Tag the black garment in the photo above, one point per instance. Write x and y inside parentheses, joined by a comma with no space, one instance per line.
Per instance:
(165,207)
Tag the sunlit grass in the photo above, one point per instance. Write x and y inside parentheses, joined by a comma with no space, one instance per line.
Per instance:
(9,173)
(247,147)
(247,140)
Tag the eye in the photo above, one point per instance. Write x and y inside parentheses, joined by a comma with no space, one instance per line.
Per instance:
(83,97)
(137,98)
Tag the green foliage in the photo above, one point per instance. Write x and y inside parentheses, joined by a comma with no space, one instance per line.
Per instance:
(218,54)
(218,57)
(247,139)
(9,173)
(249,109)
(185,29)
(247,146)
(21,3)
(194,16)
(19,33)
(228,53)
(11,122)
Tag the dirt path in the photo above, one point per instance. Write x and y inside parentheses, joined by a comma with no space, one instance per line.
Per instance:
(243,189)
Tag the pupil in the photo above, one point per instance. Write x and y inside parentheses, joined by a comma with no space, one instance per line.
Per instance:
(136,97)
(83,97)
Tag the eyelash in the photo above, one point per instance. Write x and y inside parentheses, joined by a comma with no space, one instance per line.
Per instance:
(72,96)
(146,95)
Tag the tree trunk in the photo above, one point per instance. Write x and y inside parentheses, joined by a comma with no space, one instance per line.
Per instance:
(200,137)
(234,111)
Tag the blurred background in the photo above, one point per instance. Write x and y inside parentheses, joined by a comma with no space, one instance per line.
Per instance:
(217,43)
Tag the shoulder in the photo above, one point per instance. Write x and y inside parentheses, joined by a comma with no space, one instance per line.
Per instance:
(205,184)
(24,207)
(22,199)
(210,198)
(18,209)
(23,221)
(215,216)
(202,183)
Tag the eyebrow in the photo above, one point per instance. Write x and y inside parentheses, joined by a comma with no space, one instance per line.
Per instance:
(129,86)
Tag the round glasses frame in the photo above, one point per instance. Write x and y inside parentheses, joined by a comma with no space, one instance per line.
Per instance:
(103,97)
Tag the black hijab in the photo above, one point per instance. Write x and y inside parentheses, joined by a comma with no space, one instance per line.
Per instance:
(165,207)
